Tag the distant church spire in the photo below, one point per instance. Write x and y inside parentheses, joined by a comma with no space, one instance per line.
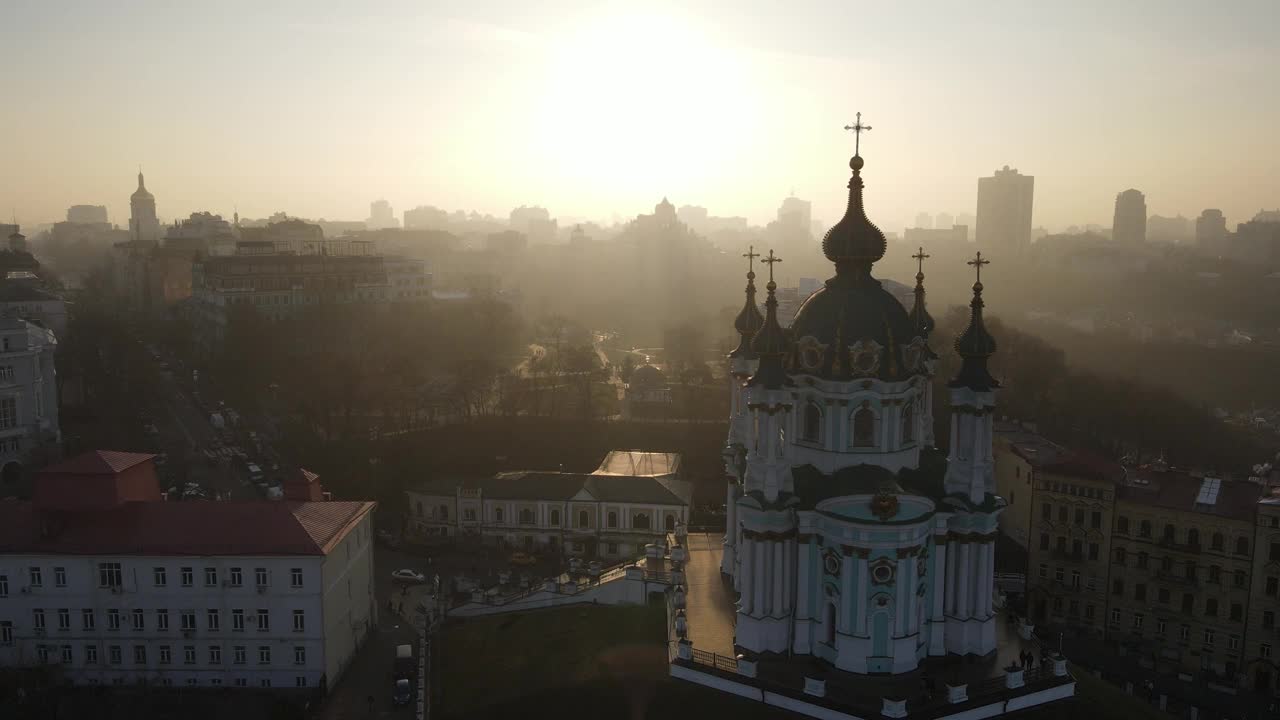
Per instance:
(975,344)
(770,343)
(920,318)
(749,320)
(854,243)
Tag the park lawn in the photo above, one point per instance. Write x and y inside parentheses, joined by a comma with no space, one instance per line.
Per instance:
(494,659)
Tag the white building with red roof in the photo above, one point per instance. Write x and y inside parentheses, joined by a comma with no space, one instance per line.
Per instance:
(103,576)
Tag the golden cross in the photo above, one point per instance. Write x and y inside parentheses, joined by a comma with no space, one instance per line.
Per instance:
(750,255)
(771,259)
(920,256)
(857,127)
(977,263)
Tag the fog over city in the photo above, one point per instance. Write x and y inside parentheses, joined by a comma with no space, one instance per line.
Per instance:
(477,360)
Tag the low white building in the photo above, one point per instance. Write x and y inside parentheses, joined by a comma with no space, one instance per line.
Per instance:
(633,499)
(28,398)
(103,578)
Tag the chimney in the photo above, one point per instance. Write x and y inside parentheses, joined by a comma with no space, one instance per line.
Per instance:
(304,486)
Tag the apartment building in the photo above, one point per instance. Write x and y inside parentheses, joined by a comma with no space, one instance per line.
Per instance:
(1262,636)
(105,582)
(1181,569)
(633,499)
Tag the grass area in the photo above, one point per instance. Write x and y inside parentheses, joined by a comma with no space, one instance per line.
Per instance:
(588,661)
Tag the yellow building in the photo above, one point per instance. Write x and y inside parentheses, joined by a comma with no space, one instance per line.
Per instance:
(1073,501)
(1181,567)
(1262,638)
(1016,453)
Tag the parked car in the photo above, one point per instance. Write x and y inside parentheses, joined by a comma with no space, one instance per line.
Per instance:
(405,575)
(523,558)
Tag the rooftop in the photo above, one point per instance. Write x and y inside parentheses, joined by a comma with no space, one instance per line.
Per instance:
(1180,490)
(558,486)
(638,463)
(256,527)
(98,462)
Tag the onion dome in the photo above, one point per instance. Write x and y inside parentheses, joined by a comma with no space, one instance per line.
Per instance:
(852,327)
(748,322)
(770,343)
(141,193)
(921,320)
(975,344)
(854,243)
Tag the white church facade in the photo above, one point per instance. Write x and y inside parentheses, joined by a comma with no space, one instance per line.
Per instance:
(850,537)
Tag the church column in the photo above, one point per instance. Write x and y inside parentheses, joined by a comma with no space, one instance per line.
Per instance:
(804,552)
(750,575)
(743,578)
(905,589)
(953,548)
(941,571)
(964,572)
(848,606)
(779,577)
(979,577)
(860,622)
(990,551)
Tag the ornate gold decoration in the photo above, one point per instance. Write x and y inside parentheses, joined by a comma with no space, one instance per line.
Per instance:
(866,356)
(810,353)
(884,504)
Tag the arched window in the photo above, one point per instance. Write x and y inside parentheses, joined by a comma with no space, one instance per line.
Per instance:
(613,519)
(1169,533)
(497,515)
(908,424)
(1215,574)
(812,422)
(864,428)
(1144,530)
(1217,541)
(584,519)
(1193,537)
(671,523)
(1242,546)
(419,508)
(640,521)
(444,512)
(526,517)
(555,518)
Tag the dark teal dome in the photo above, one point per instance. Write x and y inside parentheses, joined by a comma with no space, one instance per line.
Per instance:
(852,328)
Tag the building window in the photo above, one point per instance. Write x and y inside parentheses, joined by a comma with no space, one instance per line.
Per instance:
(4,586)
(113,619)
(213,620)
(158,577)
(671,523)
(1144,529)
(640,521)
(909,423)
(1057,606)
(1044,571)
(1188,603)
(1208,636)
(8,406)
(1240,578)
(1058,574)
(215,655)
(1122,525)
(1046,511)
(295,577)
(1264,650)
(64,619)
(1163,596)
(299,621)
(584,519)
(555,518)
(1211,607)
(1044,541)
(139,654)
(237,620)
(1075,579)
(1140,591)
(444,512)
(1160,627)
(210,577)
(1095,520)
(1088,611)
(6,632)
(188,620)
(1166,564)
(864,428)
(1193,538)
(1117,587)
(235,577)
(1138,618)
(1143,560)
(1079,516)
(1191,570)
(1215,574)
(188,577)
(162,619)
(114,655)
(1242,546)
(1217,542)
(86,619)
(812,422)
(91,654)
(1062,513)
(469,515)
(1273,556)
(1120,556)
(613,519)
(189,655)
(1233,642)
(36,580)
(1268,619)
(613,548)
(109,575)
(59,577)
(417,509)
(526,516)
(497,515)
(1115,616)
(264,620)
(139,622)
(238,655)
(1184,633)
(1169,533)
(264,654)
(299,655)
(260,577)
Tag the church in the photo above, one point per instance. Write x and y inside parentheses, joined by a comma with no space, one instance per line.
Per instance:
(850,537)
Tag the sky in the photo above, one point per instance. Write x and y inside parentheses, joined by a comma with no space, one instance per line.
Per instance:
(598,110)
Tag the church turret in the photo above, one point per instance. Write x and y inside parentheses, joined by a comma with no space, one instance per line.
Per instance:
(742,363)
(920,318)
(770,343)
(972,402)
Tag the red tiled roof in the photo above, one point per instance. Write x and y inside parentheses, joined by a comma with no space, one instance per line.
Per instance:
(259,527)
(98,462)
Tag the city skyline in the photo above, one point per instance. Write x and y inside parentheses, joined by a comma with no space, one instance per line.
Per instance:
(535,124)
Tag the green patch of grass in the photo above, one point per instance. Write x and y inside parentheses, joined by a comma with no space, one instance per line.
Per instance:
(498,659)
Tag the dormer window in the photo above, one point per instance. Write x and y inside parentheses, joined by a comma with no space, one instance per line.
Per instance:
(812,422)
(864,428)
